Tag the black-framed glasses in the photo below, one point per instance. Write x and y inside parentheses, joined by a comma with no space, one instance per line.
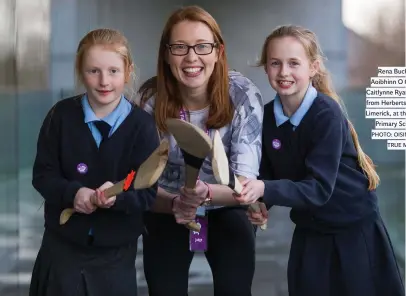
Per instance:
(199,49)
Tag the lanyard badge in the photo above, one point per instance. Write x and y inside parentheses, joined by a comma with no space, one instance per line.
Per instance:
(198,240)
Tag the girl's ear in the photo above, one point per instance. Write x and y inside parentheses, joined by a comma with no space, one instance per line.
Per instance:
(314,68)
(128,74)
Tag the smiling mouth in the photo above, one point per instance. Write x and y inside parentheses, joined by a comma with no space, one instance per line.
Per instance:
(285,82)
(192,71)
(104,92)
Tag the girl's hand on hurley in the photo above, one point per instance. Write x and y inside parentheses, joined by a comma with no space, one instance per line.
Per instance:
(83,201)
(252,190)
(100,200)
(258,218)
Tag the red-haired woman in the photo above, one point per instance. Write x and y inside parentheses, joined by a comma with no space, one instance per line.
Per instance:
(193,83)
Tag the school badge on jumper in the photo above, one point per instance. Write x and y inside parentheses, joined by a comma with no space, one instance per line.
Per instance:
(276,144)
(81,168)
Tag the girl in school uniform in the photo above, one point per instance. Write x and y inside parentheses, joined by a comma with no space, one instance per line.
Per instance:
(312,162)
(193,83)
(87,143)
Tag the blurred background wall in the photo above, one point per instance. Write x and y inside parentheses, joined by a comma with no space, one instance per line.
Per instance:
(37,51)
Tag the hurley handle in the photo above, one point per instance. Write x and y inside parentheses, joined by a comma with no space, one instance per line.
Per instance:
(65,215)
(191,175)
(255,207)
(115,189)
(109,192)
(237,187)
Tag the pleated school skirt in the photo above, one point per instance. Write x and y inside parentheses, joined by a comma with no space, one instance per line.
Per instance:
(66,269)
(355,262)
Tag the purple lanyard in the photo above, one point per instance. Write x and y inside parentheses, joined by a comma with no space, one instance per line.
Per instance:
(183,117)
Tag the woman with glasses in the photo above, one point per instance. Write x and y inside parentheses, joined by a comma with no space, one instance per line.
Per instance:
(193,83)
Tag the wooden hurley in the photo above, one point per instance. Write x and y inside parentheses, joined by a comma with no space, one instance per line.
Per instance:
(195,146)
(147,175)
(224,174)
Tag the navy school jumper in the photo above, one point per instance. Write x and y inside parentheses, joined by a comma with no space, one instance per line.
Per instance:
(340,245)
(66,263)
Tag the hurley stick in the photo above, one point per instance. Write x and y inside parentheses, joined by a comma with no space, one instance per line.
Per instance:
(195,146)
(147,175)
(224,175)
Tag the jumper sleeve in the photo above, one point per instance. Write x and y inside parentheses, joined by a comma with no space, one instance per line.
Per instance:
(139,200)
(322,163)
(47,177)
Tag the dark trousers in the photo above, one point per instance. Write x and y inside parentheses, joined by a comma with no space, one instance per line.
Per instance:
(231,253)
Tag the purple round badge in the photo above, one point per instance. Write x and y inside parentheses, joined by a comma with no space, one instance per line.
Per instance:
(82,168)
(276,144)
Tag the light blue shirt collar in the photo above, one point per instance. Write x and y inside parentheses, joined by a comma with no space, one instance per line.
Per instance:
(297,117)
(111,119)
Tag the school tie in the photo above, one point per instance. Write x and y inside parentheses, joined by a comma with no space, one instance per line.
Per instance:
(288,127)
(104,129)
